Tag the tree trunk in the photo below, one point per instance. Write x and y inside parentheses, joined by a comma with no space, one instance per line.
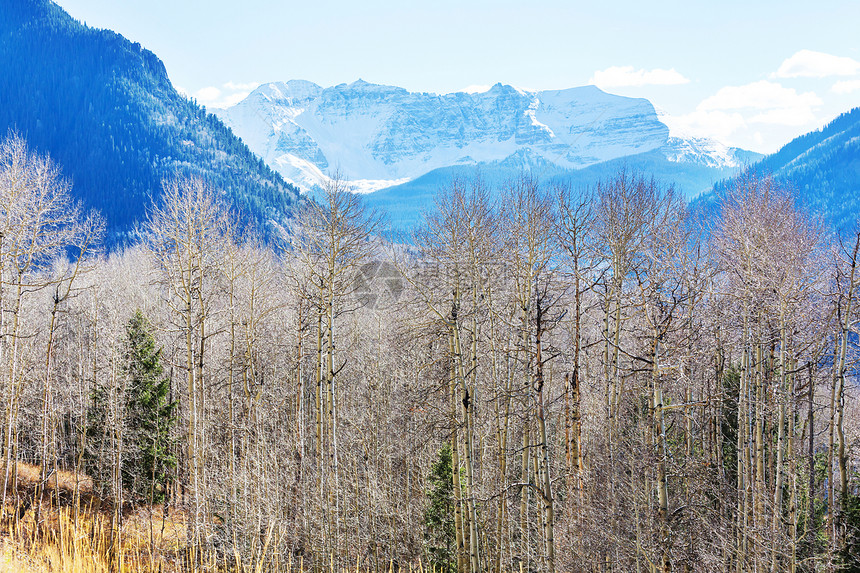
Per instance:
(784,395)
(662,454)
(548,502)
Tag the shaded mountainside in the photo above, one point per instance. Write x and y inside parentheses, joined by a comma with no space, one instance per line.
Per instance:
(406,204)
(823,169)
(104,109)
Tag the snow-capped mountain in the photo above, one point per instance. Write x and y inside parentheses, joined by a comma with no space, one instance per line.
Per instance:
(379,136)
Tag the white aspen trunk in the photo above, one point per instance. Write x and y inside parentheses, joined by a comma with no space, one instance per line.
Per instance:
(525,492)
(616,347)
(662,453)
(794,449)
(300,386)
(548,502)
(469,452)
(759,487)
(192,420)
(11,418)
(502,414)
(201,446)
(742,449)
(231,468)
(841,457)
(7,383)
(318,404)
(635,502)
(831,451)
(810,467)
(460,535)
(332,402)
(46,409)
(780,443)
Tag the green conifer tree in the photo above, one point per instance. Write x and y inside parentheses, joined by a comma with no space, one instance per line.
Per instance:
(97,443)
(149,415)
(439,515)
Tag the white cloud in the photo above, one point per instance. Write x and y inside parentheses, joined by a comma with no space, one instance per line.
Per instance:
(475,89)
(716,124)
(232,99)
(228,95)
(774,102)
(809,64)
(627,76)
(731,114)
(846,87)
(207,94)
(250,86)
(794,117)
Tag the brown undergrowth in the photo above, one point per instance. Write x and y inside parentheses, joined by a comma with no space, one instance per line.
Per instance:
(44,529)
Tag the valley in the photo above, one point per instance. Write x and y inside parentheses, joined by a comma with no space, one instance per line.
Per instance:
(362,328)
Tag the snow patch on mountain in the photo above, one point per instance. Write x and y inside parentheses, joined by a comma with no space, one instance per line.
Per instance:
(702,151)
(377,136)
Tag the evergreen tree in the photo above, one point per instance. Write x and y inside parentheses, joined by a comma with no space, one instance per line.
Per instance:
(98,443)
(149,415)
(850,552)
(439,515)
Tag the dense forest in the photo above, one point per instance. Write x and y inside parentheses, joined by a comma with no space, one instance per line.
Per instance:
(104,108)
(540,378)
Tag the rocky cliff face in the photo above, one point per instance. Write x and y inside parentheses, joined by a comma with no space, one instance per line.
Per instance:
(378,136)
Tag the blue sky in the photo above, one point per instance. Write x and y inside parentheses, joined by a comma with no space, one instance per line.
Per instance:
(752,74)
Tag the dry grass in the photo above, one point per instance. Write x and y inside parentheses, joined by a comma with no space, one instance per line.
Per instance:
(93,542)
(52,537)
(28,476)
(13,560)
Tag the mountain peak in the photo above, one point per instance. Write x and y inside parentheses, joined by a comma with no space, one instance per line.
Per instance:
(377,135)
(360,86)
(500,88)
(286,93)
(299,85)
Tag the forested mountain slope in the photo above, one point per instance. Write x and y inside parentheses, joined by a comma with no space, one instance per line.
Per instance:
(823,169)
(105,110)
